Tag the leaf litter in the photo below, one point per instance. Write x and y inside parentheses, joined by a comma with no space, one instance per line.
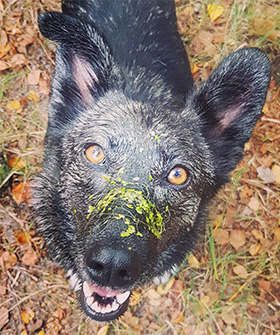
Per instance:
(243,297)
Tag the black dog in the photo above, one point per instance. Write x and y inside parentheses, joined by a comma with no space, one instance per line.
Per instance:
(133,150)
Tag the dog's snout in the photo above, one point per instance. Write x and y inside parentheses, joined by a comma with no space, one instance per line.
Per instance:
(115,268)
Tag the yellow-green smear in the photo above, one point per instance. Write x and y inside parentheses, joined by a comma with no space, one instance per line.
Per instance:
(135,200)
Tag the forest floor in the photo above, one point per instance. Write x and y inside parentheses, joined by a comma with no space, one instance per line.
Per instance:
(230,284)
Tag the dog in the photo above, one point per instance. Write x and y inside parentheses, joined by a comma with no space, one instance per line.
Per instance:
(133,150)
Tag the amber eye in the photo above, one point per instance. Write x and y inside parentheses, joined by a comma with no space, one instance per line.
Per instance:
(95,154)
(178,176)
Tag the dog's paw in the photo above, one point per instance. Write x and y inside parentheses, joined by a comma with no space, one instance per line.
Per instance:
(74,281)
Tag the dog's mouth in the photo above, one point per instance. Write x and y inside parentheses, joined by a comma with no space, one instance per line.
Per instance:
(103,303)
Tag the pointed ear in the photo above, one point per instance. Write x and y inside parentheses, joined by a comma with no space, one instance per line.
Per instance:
(230,103)
(84,64)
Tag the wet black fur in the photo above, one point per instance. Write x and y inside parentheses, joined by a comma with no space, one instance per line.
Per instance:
(137,101)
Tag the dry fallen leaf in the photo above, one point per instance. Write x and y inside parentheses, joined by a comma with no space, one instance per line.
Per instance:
(7,260)
(30,257)
(22,193)
(265,285)
(16,163)
(177,317)
(4,316)
(103,330)
(266,174)
(27,315)
(220,236)
(258,235)
(229,317)
(277,234)
(237,238)
(164,289)
(254,204)
(214,11)
(255,249)
(240,271)
(33,77)
(33,96)
(22,238)
(193,261)
(276,171)
(14,105)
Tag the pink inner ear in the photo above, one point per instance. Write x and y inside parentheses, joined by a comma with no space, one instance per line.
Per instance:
(226,118)
(85,79)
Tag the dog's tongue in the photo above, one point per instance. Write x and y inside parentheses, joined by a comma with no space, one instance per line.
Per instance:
(105,292)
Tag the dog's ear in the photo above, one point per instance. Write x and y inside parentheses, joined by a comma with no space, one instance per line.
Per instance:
(84,64)
(230,103)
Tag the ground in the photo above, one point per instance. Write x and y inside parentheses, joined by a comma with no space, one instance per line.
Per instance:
(230,284)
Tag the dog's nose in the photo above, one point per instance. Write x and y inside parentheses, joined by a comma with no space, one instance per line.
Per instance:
(115,268)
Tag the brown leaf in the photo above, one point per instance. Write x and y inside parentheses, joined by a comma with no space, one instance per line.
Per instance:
(8,260)
(265,285)
(254,204)
(33,77)
(237,238)
(4,65)
(3,290)
(4,316)
(22,193)
(277,234)
(276,171)
(240,271)
(220,236)
(30,257)
(266,174)
(258,235)
(18,59)
(229,317)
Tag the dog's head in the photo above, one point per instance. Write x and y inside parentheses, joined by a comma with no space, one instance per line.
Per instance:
(126,178)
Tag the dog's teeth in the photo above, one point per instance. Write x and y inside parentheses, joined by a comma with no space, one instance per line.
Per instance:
(88,291)
(96,307)
(115,306)
(90,300)
(121,298)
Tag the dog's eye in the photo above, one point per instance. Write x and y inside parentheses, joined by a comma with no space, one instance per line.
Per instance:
(178,176)
(94,154)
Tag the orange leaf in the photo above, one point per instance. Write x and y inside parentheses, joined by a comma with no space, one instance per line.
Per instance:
(22,238)
(177,317)
(27,315)
(277,234)
(22,193)
(265,285)
(16,163)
